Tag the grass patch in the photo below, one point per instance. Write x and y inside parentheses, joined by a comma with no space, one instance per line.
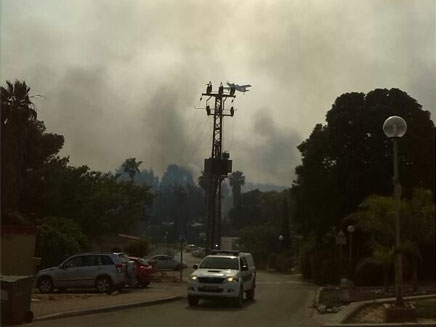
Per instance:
(330,298)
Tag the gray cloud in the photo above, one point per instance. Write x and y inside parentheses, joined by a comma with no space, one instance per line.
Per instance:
(121,78)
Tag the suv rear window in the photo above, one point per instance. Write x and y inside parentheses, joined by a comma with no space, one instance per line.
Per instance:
(219,263)
(124,258)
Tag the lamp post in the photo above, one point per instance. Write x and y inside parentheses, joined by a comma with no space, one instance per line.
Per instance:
(351,230)
(395,127)
(281,242)
(340,240)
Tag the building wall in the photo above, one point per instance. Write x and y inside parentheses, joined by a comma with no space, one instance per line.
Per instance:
(18,250)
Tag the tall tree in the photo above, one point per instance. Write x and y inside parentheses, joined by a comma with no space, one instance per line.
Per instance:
(176,175)
(350,158)
(286,228)
(25,148)
(131,167)
(237,179)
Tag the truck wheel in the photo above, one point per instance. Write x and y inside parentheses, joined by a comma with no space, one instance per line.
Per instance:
(240,299)
(192,300)
(250,294)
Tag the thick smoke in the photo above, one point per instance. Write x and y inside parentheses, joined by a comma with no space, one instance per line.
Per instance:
(121,78)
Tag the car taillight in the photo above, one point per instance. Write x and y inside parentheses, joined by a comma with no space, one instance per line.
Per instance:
(119,267)
(141,267)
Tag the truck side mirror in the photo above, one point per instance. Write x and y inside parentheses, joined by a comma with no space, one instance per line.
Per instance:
(195,266)
(244,268)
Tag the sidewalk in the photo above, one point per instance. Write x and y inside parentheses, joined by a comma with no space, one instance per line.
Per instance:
(50,306)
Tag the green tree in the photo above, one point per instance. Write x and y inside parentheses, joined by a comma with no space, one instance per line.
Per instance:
(417,227)
(58,238)
(286,228)
(237,179)
(131,167)
(382,256)
(349,157)
(25,149)
(139,248)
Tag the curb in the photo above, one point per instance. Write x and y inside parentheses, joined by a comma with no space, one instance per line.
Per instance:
(340,317)
(105,309)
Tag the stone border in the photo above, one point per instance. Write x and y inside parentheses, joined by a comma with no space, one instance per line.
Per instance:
(106,309)
(347,312)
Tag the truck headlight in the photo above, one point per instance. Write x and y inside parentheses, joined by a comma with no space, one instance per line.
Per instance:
(232,279)
(193,277)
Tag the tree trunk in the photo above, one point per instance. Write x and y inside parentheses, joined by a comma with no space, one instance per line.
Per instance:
(414,277)
(385,279)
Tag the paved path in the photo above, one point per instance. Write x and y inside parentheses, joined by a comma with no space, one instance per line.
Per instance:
(281,300)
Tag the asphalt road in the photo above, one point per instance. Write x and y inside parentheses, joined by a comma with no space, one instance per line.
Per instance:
(281,300)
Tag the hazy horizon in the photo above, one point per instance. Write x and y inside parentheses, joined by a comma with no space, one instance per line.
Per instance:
(120,79)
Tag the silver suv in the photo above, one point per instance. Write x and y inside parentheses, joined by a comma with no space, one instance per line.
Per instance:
(223,274)
(104,271)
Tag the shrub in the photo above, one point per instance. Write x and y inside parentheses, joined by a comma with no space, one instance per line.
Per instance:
(58,239)
(324,266)
(284,262)
(139,248)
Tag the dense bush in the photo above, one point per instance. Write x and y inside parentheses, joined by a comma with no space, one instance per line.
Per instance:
(284,262)
(319,261)
(324,266)
(58,238)
(139,248)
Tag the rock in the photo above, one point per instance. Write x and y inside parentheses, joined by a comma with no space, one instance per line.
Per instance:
(346,283)
(35,300)
(322,308)
(336,309)
(329,310)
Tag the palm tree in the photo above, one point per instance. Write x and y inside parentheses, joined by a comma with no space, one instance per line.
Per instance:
(18,121)
(131,167)
(15,103)
(237,179)
(376,216)
(381,256)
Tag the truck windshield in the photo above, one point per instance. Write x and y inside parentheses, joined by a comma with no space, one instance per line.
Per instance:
(219,263)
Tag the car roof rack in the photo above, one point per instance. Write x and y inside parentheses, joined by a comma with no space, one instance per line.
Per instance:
(232,252)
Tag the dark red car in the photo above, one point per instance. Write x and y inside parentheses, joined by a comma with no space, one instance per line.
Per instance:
(144,271)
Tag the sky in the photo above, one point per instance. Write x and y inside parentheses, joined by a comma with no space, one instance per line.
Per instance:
(122,78)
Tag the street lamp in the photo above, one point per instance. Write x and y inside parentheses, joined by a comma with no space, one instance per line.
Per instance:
(281,242)
(351,230)
(395,127)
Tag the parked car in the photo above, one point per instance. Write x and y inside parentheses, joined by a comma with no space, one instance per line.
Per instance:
(144,271)
(199,252)
(167,262)
(190,247)
(223,274)
(104,271)
(130,267)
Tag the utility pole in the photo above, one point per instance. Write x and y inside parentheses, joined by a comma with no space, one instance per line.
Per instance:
(218,166)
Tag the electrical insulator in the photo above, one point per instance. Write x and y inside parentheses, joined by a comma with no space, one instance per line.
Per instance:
(232,111)
(208,110)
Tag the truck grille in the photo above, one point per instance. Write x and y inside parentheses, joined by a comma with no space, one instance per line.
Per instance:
(211,280)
